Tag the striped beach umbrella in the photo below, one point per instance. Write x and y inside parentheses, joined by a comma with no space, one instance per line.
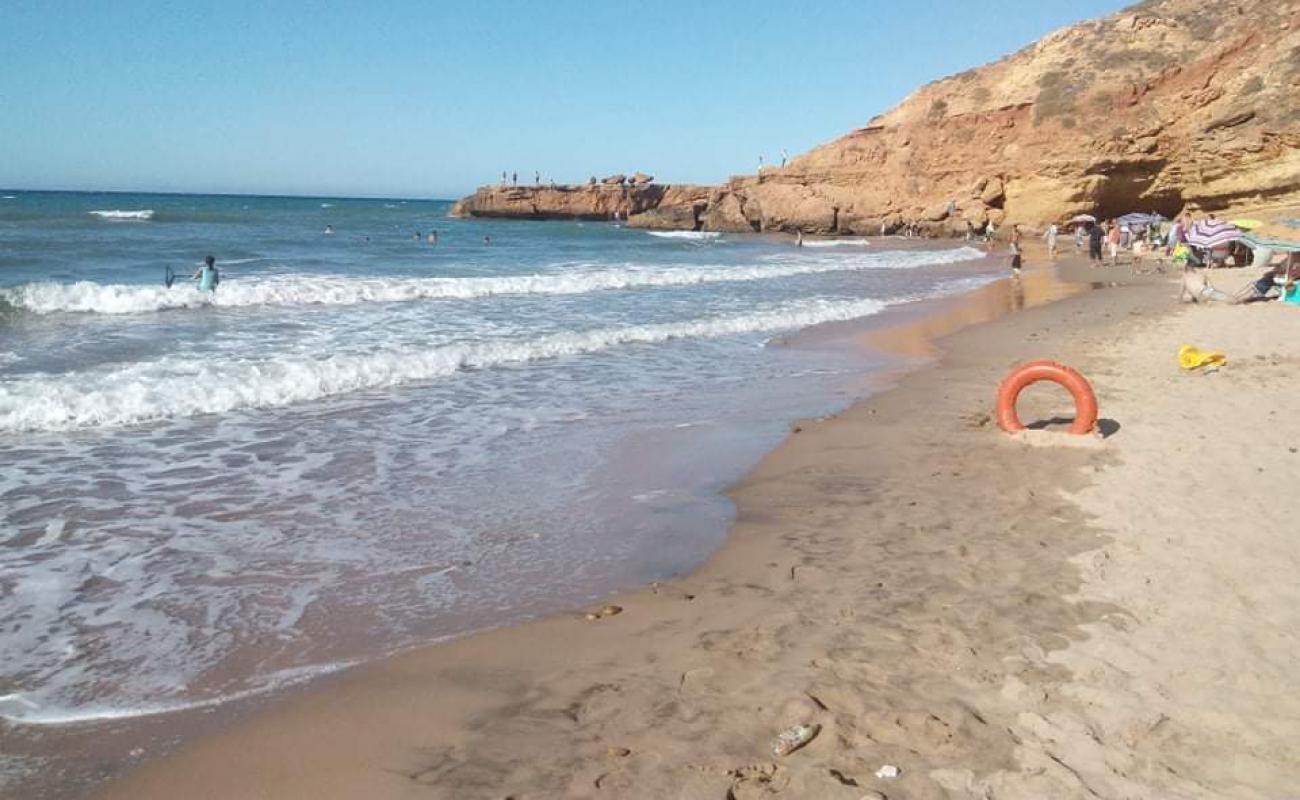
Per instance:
(1280,236)
(1210,234)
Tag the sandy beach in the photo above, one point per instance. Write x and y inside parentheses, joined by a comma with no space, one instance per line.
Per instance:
(1113,617)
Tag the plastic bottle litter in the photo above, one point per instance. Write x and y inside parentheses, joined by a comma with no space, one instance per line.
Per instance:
(888,771)
(794,738)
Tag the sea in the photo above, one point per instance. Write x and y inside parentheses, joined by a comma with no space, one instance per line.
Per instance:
(365,440)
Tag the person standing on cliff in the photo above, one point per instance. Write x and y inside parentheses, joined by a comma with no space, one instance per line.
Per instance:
(537,178)
(784,157)
(503,177)
(514,179)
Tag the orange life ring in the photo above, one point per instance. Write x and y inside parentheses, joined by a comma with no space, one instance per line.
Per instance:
(1085,402)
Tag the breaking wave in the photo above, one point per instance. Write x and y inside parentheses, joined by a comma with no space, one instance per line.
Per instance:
(851,242)
(178,387)
(142,214)
(696,235)
(91,297)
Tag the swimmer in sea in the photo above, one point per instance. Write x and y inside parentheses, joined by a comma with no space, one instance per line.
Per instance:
(432,237)
(487,240)
(207,275)
(329,230)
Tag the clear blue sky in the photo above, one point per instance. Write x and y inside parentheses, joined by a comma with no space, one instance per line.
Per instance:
(431,99)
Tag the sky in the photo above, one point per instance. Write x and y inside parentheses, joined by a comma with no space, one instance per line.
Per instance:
(430,99)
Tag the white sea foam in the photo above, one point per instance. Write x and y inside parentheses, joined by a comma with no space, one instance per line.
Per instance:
(141,214)
(91,297)
(696,235)
(19,710)
(852,242)
(178,386)
(8,197)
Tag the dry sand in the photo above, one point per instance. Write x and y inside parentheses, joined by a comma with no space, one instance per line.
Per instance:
(995,619)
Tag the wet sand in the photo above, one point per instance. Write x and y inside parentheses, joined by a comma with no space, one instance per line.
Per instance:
(995,619)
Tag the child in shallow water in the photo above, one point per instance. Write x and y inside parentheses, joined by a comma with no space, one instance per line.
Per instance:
(207,275)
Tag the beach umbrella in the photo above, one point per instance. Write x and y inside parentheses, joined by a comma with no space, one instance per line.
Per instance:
(1082,218)
(1212,233)
(1282,236)
(1139,219)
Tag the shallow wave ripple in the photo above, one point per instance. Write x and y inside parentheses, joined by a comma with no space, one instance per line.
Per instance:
(97,298)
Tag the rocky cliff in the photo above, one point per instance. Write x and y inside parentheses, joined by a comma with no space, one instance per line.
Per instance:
(613,200)
(1164,106)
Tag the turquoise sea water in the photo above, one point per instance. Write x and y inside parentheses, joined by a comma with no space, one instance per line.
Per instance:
(362,440)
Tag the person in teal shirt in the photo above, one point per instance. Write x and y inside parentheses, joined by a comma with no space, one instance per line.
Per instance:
(207,275)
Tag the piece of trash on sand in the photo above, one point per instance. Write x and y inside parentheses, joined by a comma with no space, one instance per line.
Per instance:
(607,611)
(1190,357)
(888,771)
(794,738)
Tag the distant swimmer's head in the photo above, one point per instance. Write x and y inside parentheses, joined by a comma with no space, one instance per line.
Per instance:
(209,260)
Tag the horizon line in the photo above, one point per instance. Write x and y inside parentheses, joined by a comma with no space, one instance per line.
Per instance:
(233,194)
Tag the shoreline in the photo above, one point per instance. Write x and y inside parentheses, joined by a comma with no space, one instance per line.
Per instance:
(369,677)
(101,748)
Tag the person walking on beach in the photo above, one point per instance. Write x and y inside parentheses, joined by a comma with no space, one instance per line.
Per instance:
(1015,249)
(207,275)
(1094,242)
(798,238)
(970,231)
(1078,238)
(1050,236)
(1112,243)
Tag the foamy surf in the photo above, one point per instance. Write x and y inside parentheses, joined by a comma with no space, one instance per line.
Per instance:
(18,709)
(847,242)
(91,297)
(691,235)
(177,386)
(116,214)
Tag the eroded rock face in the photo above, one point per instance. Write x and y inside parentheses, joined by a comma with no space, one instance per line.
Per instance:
(588,201)
(1165,106)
